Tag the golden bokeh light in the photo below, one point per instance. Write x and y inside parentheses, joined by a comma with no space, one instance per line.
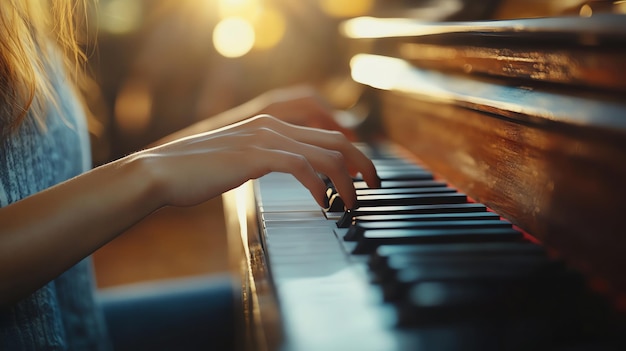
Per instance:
(346,8)
(586,11)
(269,29)
(378,71)
(233,37)
(133,106)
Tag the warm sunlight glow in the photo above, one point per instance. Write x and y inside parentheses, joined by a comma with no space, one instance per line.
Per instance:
(133,106)
(269,29)
(586,11)
(247,24)
(346,8)
(248,9)
(119,16)
(233,37)
(369,27)
(378,71)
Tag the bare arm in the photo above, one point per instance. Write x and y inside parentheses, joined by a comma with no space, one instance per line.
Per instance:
(43,235)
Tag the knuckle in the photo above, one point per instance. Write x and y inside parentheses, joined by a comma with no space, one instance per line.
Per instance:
(265,133)
(337,157)
(338,138)
(268,136)
(265,120)
(338,135)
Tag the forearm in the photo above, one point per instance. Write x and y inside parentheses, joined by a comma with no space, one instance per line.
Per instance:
(45,234)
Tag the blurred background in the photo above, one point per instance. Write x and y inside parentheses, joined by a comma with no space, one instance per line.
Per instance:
(160,65)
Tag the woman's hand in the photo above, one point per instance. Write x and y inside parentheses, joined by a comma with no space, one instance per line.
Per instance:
(301,105)
(196,168)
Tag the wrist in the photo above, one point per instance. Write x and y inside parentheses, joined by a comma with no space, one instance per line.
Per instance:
(145,177)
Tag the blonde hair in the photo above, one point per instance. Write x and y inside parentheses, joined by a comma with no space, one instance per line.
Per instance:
(28,29)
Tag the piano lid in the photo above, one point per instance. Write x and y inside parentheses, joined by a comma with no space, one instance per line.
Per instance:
(602,28)
(572,54)
(526,104)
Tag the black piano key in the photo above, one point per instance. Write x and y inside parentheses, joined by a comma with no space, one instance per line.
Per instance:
(400,175)
(428,217)
(348,216)
(398,167)
(371,239)
(436,302)
(418,209)
(497,269)
(483,267)
(548,293)
(355,232)
(403,177)
(410,199)
(382,253)
(386,191)
(336,204)
(390,184)
(332,194)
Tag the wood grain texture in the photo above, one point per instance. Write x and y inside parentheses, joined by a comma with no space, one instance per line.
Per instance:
(563,184)
(578,67)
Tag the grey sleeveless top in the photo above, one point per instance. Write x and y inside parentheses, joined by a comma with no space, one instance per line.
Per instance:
(62,315)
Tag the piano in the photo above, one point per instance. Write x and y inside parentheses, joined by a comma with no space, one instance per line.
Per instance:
(501,145)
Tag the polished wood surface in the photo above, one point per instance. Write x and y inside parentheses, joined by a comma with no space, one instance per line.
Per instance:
(579,67)
(169,244)
(260,327)
(563,186)
(583,52)
(549,157)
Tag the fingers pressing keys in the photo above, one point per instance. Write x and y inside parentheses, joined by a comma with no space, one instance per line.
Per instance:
(437,257)
(401,182)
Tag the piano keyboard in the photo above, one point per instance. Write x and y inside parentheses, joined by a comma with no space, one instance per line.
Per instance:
(417,266)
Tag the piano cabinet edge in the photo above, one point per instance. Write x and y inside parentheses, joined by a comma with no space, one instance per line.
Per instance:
(257,315)
(562,184)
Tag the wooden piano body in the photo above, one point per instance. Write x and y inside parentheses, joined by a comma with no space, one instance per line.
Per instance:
(527,117)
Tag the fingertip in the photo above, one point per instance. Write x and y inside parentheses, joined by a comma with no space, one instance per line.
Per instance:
(351,202)
(321,199)
(374,181)
(378,181)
